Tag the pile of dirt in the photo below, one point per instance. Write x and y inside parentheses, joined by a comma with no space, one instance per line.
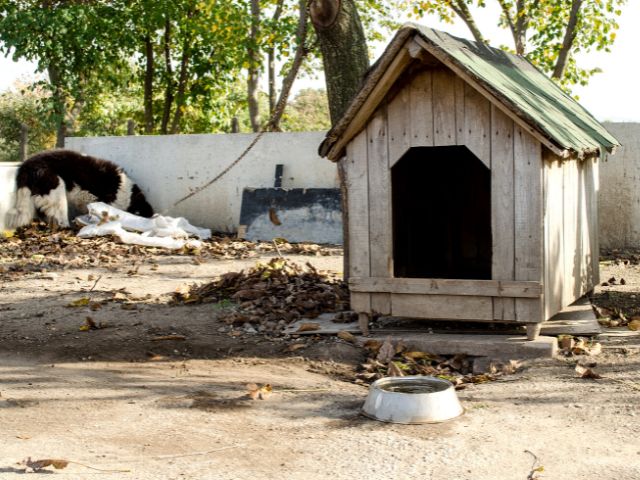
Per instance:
(272,294)
(36,248)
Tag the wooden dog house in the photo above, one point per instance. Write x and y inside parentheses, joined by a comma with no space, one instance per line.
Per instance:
(472,184)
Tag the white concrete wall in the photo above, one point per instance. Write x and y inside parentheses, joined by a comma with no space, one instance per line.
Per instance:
(619,198)
(7,189)
(169,167)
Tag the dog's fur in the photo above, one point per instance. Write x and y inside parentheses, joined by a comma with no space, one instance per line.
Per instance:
(51,181)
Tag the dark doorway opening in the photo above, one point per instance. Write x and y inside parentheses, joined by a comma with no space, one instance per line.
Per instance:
(441,214)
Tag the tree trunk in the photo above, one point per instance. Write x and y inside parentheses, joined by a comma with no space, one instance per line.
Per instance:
(271,72)
(346,60)
(168,94)
(254,68)
(344,50)
(148,86)
(59,105)
(569,37)
(182,87)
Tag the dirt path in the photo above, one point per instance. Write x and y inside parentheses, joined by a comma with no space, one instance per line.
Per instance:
(116,399)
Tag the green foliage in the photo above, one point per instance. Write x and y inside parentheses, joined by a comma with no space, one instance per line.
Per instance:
(94,53)
(308,111)
(24,105)
(545,25)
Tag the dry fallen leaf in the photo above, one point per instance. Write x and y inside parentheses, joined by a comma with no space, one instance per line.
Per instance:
(394,371)
(373,345)
(418,356)
(80,302)
(346,336)
(35,465)
(168,337)
(259,393)
(586,372)
(295,347)
(634,324)
(308,327)
(386,352)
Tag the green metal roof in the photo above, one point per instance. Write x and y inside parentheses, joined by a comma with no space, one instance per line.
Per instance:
(515,82)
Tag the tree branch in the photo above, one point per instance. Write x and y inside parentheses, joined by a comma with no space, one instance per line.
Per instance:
(254,67)
(507,14)
(168,96)
(569,37)
(182,77)
(148,85)
(287,83)
(271,62)
(462,10)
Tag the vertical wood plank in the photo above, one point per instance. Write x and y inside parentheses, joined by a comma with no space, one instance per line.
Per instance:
(458,87)
(358,201)
(554,235)
(571,237)
(380,234)
(528,195)
(502,210)
(399,123)
(594,186)
(421,111)
(584,256)
(444,108)
(477,125)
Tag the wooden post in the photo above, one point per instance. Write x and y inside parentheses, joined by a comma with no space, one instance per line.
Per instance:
(131,127)
(235,125)
(24,142)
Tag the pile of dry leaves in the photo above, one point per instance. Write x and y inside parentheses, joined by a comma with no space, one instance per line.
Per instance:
(386,359)
(37,249)
(272,294)
(616,316)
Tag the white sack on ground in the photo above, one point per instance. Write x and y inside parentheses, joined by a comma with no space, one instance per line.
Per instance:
(158,231)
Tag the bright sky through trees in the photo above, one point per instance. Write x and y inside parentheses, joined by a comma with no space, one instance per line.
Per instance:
(612,95)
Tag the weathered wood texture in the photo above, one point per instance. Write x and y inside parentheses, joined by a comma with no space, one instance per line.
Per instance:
(571,225)
(446,307)
(543,209)
(502,209)
(528,196)
(380,230)
(439,286)
(358,198)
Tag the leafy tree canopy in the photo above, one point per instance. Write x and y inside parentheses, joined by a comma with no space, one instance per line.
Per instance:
(548,32)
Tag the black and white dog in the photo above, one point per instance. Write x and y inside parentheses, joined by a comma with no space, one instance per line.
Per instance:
(51,181)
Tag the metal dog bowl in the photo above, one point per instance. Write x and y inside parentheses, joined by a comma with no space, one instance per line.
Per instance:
(410,400)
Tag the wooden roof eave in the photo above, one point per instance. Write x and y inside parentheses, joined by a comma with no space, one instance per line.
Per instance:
(391,70)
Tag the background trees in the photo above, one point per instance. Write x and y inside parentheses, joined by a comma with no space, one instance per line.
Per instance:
(190,66)
(548,32)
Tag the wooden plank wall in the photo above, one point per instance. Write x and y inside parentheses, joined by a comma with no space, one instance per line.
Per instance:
(571,248)
(502,209)
(528,219)
(380,231)
(358,198)
(436,108)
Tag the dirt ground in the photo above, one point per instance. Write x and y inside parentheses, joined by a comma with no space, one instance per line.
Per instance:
(120,400)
